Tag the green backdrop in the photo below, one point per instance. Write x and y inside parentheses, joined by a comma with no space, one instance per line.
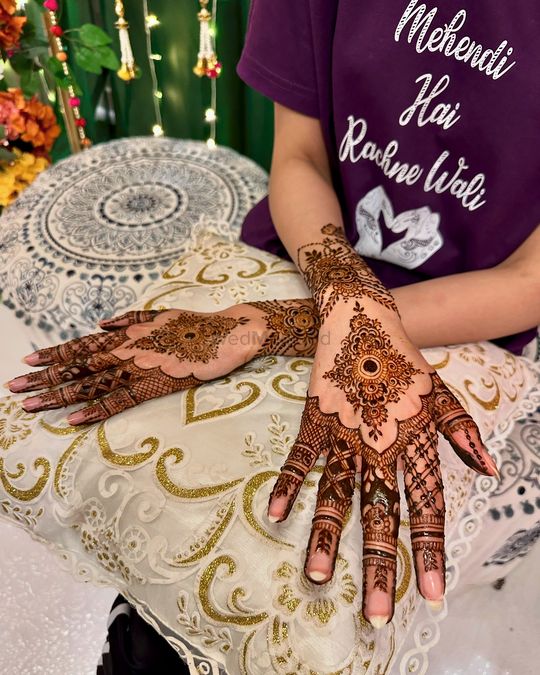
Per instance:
(245,118)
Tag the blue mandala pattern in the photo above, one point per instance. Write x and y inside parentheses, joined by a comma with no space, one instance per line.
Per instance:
(87,237)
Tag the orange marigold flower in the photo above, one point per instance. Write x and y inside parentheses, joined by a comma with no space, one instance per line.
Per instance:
(15,177)
(10,26)
(29,120)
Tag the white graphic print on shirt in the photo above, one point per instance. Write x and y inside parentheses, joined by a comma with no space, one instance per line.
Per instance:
(421,238)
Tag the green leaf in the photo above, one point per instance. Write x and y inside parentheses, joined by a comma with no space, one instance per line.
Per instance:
(2,131)
(30,83)
(6,155)
(55,67)
(88,59)
(93,36)
(107,58)
(21,63)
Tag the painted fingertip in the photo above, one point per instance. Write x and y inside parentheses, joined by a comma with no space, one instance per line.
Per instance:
(317,576)
(378,621)
(76,417)
(273,519)
(435,605)
(31,359)
(32,404)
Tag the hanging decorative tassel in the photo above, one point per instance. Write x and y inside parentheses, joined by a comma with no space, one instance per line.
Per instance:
(128,69)
(207,61)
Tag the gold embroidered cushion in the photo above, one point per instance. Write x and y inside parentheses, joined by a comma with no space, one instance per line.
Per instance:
(167,501)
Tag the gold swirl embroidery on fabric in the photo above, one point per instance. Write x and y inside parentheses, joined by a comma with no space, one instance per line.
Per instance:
(297,366)
(243,652)
(404,556)
(205,584)
(66,456)
(212,540)
(176,286)
(191,417)
(183,492)
(441,364)
(62,431)
(250,490)
(222,278)
(117,459)
(33,492)
(491,404)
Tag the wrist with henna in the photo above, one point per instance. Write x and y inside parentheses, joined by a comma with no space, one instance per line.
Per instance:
(334,271)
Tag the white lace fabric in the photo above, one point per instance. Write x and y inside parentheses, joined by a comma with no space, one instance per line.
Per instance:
(166,502)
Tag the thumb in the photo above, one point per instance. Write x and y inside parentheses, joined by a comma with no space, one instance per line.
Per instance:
(460,430)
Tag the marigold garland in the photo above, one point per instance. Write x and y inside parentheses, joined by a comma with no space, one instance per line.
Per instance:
(11,26)
(28,120)
(17,175)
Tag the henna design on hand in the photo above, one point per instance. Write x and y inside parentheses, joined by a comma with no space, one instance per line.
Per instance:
(345,448)
(190,336)
(92,365)
(293,327)
(334,271)
(370,371)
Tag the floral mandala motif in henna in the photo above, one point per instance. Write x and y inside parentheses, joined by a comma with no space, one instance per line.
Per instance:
(370,371)
(293,326)
(333,264)
(189,336)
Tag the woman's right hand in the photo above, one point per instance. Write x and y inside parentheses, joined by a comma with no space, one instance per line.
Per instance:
(147,354)
(373,401)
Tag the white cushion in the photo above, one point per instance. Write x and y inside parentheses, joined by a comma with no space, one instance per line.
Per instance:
(167,500)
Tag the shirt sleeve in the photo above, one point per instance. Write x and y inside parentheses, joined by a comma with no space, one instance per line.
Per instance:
(278,57)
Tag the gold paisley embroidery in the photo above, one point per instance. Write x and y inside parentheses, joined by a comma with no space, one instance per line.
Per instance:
(117,459)
(66,455)
(191,417)
(252,486)
(215,536)
(491,404)
(260,269)
(14,425)
(187,493)
(33,492)
(191,620)
(205,583)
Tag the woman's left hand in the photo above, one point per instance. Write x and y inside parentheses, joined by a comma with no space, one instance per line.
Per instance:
(147,354)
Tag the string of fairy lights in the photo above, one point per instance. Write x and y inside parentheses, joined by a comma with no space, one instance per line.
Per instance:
(207,65)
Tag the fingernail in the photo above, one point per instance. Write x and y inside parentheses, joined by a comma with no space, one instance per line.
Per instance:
(378,621)
(436,605)
(432,586)
(31,359)
(76,417)
(317,576)
(272,519)
(32,403)
(18,384)
(6,385)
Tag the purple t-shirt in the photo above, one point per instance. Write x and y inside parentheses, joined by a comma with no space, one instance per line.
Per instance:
(431,117)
